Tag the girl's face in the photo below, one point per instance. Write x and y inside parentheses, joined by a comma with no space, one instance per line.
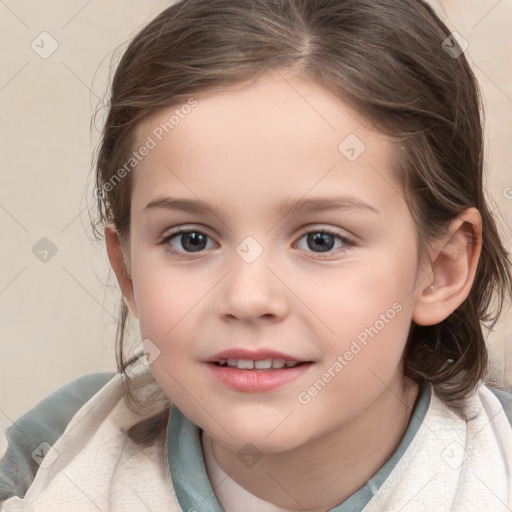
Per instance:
(332,284)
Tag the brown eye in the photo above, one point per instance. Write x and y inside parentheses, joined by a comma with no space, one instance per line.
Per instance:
(321,241)
(193,241)
(324,241)
(186,241)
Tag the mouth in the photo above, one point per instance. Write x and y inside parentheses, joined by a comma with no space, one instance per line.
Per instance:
(268,364)
(256,370)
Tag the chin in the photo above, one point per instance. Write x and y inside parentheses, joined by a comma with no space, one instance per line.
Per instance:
(256,438)
(259,444)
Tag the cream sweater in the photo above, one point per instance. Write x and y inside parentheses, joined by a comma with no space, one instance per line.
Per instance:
(451,464)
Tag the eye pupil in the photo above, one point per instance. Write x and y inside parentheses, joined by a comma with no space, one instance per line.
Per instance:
(197,241)
(324,241)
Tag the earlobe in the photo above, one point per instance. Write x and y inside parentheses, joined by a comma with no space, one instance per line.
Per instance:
(452,271)
(119,266)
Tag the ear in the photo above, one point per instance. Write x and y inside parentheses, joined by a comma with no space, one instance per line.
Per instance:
(454,261)
(120,266)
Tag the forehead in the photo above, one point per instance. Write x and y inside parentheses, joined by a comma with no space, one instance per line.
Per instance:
(282,133)
(284,101)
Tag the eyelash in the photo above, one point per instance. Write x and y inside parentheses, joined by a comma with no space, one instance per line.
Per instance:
(347,243)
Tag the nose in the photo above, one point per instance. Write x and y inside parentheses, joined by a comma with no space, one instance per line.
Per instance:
(252,292)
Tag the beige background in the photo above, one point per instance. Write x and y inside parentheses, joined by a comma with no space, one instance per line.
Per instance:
(58,317)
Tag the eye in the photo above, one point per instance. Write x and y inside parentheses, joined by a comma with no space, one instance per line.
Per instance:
(188,241)
(324,240)
(191,240)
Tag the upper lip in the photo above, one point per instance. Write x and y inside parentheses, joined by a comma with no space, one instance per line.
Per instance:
(253,355)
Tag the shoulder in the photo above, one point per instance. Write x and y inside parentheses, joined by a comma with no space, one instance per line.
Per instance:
(505,398)
(39,428)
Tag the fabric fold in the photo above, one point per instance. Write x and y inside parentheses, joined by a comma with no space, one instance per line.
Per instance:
(452,464)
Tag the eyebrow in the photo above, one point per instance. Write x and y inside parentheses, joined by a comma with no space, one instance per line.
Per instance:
(283,208)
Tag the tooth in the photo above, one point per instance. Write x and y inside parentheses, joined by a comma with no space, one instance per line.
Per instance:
(263,364)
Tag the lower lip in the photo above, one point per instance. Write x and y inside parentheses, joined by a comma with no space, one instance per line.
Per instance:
(257,381)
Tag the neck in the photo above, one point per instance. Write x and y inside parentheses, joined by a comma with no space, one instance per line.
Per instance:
(341,461)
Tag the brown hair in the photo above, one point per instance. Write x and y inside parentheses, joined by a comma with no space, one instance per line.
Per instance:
(384,57)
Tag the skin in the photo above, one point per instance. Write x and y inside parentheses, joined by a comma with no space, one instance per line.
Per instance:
(245,149)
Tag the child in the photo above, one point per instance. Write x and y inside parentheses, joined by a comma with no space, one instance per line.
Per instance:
(318,346)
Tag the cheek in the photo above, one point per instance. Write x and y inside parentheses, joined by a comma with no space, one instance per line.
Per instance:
(369,308)
(164,296)
(361,296)
(168,302)
(358,367)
